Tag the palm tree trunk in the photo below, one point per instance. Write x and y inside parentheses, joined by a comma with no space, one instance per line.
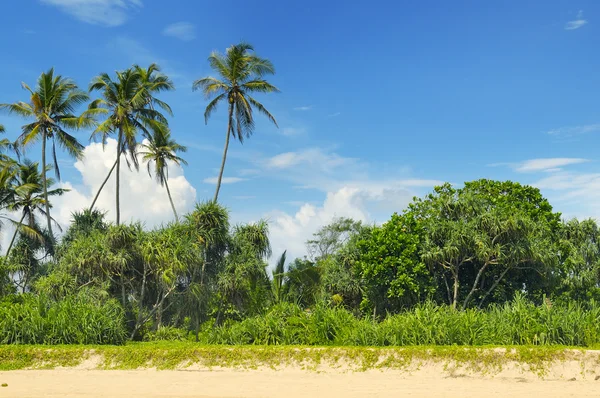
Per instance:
(12,241)
(118,208)
(224,152)
(102,186)
(171,200)
(45,183)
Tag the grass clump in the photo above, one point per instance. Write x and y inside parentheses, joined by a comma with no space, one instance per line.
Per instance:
(515,323)
(76,319)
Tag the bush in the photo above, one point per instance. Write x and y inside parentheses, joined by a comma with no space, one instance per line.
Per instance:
(166,333)
(515,323)
(76,319)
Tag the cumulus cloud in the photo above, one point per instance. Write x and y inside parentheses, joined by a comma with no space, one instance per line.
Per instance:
(369,204)
(97,12)
(181,30)
(577,23)
(141,197)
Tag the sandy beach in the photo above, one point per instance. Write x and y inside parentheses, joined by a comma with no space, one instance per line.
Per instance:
(290,383)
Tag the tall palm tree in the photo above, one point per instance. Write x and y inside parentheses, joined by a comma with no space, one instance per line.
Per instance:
(161,148)
(29,199)
(241,73)
(52,107)
(128,102)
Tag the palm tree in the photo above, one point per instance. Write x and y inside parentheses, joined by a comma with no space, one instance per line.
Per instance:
(29,199)
(51,106)
(161,148)
(278,278)
(128,102)
(240,74)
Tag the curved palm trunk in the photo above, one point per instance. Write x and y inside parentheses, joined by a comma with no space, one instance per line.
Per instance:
(171,200)
(118,208)
(45,183)
(224,152)
(12,241)
(102,186)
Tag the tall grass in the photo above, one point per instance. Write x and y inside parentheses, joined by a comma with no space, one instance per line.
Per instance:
(76,319)
(515,323)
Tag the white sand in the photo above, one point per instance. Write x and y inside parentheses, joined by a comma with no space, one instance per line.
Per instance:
(428,381)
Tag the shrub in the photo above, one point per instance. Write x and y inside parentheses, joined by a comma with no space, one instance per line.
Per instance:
(76,319)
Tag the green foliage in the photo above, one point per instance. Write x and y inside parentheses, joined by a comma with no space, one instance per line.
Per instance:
(241,73)
(516,323)
(76,319)
(389,264)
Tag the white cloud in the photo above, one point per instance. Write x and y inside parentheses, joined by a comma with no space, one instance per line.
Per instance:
(291,131)
(576,23)
(303,108)
(575,130)
(181,30)
(141,197)
(97,12)
(334,114)
(224,180)
(291,231)
(534,165)
(311,156)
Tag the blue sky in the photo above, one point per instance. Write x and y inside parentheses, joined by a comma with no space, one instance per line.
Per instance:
(380,100)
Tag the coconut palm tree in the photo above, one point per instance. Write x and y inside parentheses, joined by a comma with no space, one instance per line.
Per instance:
(128,103)
(159,150)
(241,73)
(52,108)
(29,199)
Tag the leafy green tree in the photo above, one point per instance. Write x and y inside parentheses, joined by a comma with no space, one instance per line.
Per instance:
(51,109)
(329,239)
(241,73)
(578,275)
(128,104)
(472,245)
(160,150)
(390,267)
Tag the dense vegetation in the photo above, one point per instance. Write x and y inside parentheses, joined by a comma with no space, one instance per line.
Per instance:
(486,263)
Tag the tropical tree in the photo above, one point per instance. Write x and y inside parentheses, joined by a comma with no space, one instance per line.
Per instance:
(160,150)
(277,282)
(241,73)
(128,103)
(29,199)
(51,108)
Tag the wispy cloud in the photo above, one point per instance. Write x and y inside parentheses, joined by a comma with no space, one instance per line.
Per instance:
(312,156)
(334,114)
(303,108)
(541,165)
(291,131)
(97,12)
(224,180)
(574,130)
(577,23)
(181,30)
